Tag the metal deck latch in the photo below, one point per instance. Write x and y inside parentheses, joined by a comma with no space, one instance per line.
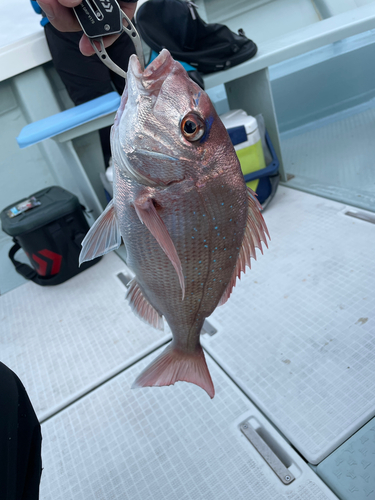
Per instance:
(125,278)
(208,328)
(358,214)
(265,451)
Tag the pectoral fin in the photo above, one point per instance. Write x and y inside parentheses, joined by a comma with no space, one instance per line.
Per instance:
(149,216)
(103,236)
(255,233)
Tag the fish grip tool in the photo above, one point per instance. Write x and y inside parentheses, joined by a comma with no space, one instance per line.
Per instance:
(99,18)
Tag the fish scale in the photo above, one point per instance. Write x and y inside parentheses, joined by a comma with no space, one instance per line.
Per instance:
(198,246)
(182,208)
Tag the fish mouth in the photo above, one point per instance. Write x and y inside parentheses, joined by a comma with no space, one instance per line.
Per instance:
(149,80)
(154,75)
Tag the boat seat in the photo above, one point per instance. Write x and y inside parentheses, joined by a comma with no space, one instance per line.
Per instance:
(73,122)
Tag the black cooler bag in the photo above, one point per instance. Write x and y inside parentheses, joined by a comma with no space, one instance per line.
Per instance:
(50,234)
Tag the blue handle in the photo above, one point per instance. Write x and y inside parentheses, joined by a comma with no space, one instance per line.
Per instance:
(36,6)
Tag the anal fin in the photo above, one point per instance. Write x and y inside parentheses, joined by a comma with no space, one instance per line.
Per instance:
(142,307)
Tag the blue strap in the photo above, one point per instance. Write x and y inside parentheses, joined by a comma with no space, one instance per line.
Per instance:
(36,6)
(185,65)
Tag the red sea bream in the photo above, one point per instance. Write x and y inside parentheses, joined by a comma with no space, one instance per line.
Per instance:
(189,223)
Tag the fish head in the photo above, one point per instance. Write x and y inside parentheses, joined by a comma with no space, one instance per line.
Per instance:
(166,129)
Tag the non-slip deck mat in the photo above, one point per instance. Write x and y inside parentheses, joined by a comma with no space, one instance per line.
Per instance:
(298,333)
(64,340)
(350,470)
(170,443)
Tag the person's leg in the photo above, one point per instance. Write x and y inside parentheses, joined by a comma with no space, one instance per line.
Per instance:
(20,441)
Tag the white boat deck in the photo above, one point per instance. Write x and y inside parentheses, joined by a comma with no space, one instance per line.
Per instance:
(63,341)
(295,342)
(297,334)
(170,443)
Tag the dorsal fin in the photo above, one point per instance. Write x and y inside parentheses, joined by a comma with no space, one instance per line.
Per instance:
(142,307)
(255,233)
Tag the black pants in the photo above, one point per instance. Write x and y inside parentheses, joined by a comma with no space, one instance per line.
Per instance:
(86,78)
(20,441)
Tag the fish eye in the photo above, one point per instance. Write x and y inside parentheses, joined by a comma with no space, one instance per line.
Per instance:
(192,127)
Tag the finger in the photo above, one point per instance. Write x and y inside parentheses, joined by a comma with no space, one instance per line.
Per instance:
(62,18)
(128,8)
(70,3)
(86,48)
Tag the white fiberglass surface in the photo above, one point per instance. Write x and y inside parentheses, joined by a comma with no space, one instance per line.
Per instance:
(18,20)
(169,443)
(64,340)
(297,334)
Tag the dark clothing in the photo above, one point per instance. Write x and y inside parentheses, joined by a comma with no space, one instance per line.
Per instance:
(20,441)
(86,78)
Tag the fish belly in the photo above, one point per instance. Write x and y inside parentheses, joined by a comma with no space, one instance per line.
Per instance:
(206,223)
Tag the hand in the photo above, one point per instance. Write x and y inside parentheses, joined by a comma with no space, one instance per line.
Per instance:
(60,14)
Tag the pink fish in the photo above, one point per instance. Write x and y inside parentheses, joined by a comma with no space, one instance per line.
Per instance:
(189,223)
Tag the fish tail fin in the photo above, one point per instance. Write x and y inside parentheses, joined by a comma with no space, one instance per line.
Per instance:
(173,365)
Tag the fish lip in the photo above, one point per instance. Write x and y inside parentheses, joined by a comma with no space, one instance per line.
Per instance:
(157,64)
(154,75)
(136,70)
(135,67)
(121,108)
